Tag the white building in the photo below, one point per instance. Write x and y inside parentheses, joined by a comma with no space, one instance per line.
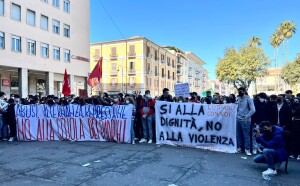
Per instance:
(39,39)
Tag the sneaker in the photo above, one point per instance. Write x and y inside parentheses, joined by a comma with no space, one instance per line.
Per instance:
(150,141)
(292,156)
(259,150)
(143,140)
(238,150)
(11,139)
(133,142)
(248,153)
(298,158)
(254,151)
(269,172)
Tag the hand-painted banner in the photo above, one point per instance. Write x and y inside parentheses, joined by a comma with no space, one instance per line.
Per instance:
(204,126)
(73,122)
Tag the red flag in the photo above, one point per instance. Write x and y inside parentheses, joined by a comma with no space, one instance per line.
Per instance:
(66,90)
(96,74)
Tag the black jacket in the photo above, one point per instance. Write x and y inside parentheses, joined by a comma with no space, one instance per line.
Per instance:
(284,115)
(262,112)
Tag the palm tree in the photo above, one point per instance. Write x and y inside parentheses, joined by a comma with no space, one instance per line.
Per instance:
(288,29)
(254,41)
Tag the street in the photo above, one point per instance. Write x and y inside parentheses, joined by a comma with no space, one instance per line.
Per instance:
(108,163)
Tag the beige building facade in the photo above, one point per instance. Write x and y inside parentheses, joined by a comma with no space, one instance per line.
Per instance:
(39,39)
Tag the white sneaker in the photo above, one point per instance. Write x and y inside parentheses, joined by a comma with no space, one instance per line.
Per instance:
(270,172)
(298,158)
(11,139)
(150,141)
(143,140)
(254,151)
(259,150)
(133,142)
(238,150)
(248,153)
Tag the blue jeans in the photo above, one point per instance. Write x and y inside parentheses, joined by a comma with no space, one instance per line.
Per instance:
(132,130)
(269,157)
(147,127)
(243,133)
(1,125)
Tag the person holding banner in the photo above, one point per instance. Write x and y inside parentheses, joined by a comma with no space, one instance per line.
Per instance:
(147,110)
(243,123)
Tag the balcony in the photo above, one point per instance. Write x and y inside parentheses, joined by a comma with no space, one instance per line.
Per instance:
(168,64)
(179,63)
(113,56)
(114,73)
(190,75)
(149,56)
(163,61)
(131,55)
(131,71)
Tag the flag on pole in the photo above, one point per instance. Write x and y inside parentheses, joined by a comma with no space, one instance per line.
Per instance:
(66,90)
(96,74)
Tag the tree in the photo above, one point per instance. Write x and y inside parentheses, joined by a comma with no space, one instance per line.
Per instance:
(241,67)
(254,41)
(291,72)
(288,29)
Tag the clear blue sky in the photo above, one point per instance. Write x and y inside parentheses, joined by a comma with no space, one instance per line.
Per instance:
(205,27)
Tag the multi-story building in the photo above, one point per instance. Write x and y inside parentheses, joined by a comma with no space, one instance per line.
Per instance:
(221,87)
(134,65)
(195,73)
(39,39)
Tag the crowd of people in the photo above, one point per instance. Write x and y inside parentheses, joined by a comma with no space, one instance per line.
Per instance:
(255,114)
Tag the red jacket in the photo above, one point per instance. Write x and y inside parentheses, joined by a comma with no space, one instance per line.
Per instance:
(150,104)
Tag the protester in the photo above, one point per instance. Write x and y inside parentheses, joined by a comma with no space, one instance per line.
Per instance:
(280,113)
(166,96)
(129,101)
(147,110)
(3,109)
(10,119)
(244,112)
(274,153)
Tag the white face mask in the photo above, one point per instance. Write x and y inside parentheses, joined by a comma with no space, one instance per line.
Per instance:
(127,102)
(224,101)
(261,99)
(180,101)
(148,95)
(116,100)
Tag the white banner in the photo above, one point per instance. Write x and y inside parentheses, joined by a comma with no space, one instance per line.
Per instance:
(73,122)
(204,126)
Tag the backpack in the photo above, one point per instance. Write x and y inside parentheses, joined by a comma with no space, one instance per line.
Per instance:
(289,140)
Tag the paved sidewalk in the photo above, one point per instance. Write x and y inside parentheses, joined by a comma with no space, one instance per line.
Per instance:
(107,163)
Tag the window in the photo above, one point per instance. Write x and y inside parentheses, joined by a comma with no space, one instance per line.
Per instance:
(16,12)
(148,51)
(2,40)
(31,17)
(148,66)
(56,26)
(113,66)
(31,47)
(45,50)
(156,55)
(46,1)
(156,71)
(163,72)
(67,6)
(131,50)
(56,53)
(16,44)
(67,55)
(66,30)
(131,65)
(162,57)
(44,22)
(55,3)
(1,7)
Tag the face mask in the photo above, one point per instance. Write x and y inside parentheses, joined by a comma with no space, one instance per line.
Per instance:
(148,95)
(180,101)
(224,102)
(127,102)
(116,100)
(261,99)
(241,93)
(279,101)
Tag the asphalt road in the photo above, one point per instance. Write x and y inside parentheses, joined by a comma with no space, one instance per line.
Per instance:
(107,163)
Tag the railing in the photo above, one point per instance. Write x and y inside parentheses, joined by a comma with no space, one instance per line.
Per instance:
(113,56)
(131,71)
(131,55)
